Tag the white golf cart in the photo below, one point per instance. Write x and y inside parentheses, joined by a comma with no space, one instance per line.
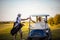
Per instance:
(39,31)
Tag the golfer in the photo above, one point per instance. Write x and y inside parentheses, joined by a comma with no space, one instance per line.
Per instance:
(18,21)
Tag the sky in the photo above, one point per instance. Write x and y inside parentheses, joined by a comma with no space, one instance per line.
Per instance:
(10,8)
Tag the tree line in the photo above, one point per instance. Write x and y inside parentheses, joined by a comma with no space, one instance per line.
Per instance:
(54,20)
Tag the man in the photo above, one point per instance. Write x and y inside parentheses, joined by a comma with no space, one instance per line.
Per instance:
(17,23)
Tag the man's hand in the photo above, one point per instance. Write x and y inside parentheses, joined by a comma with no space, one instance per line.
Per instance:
(22,24)
(28,18)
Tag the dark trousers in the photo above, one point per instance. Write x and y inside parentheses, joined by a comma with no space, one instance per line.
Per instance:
(20,32)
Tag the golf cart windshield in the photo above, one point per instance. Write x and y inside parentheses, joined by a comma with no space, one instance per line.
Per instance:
(39,25)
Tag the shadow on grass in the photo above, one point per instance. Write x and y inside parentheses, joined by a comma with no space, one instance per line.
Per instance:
(5,33)
(8,36)
(56,34)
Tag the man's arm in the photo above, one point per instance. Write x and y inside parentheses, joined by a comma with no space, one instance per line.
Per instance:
(24,19)
(33,21)
(27,19)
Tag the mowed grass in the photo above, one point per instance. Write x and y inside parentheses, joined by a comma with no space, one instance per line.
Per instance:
(6,28)
(55,32)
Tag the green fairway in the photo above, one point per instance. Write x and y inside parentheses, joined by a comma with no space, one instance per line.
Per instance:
(55,32)
(5,31)
(6,28)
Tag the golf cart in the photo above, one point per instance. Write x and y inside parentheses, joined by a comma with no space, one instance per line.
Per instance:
(39,33)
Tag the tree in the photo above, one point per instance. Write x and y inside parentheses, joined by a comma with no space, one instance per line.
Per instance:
(57,19)
(51,21)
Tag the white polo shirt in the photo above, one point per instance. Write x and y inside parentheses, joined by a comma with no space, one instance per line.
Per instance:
(18,20)
(39,25)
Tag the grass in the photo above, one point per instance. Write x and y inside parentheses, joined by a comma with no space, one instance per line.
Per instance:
(55,32)
(6,28)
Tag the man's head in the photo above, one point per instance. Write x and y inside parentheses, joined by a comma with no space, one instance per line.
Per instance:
(19,15)
(39,19)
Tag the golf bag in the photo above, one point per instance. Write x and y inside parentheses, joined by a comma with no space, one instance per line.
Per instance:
(16,29)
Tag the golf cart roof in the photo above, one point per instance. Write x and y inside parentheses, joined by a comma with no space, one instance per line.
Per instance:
(41,15)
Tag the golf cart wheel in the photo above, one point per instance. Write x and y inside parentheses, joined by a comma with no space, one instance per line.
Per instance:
(49,37)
